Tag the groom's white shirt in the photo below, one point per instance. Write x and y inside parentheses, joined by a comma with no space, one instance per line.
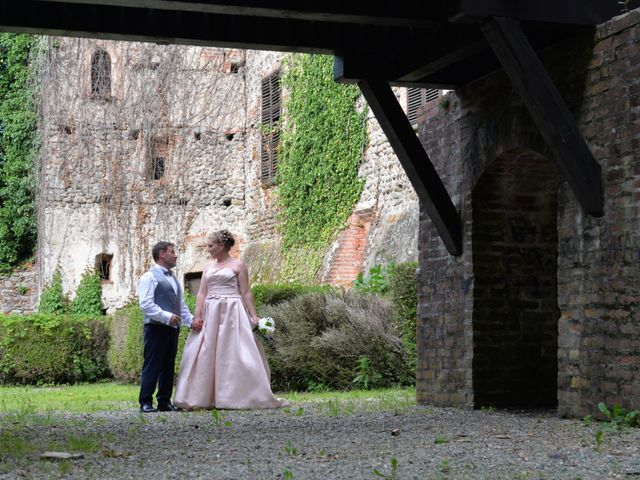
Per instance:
(146,289)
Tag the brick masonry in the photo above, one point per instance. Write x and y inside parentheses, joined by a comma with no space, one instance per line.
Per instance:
(488,152)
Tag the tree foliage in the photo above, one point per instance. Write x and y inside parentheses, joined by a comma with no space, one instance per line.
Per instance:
(18,124)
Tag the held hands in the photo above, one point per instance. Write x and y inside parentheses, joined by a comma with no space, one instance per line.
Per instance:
(196,324)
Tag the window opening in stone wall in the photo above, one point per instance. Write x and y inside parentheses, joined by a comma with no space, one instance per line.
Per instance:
(159,157)
(103,265)
(192,282)
(157,168)
(101,75)
(270,130)
(418,97)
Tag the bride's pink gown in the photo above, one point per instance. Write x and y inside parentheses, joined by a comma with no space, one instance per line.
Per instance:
(222,364)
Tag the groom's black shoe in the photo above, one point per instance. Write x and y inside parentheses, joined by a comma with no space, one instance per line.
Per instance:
(168,407)
(147,408)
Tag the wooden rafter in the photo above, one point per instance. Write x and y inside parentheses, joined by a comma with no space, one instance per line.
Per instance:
(411,154)
(553,118)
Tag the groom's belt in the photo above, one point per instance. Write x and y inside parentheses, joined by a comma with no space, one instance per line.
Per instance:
(156,322)
(222,295)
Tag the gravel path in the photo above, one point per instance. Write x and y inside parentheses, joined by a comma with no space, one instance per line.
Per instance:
(427,442)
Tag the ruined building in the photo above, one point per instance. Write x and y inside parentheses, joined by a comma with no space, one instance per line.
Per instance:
(142,142)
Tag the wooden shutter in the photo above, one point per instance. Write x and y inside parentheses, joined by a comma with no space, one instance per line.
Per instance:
(271,108)
(416,98)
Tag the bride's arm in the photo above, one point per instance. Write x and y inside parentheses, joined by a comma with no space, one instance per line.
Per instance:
(202,295)
(245,291)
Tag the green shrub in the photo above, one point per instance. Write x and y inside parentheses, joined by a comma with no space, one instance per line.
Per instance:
(322,337)
(377,281)
(53,299)
(403,292)
(127,343)
(273,293)
(88,299)
(46,348)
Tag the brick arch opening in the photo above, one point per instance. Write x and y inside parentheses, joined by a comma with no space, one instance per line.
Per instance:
(515,313)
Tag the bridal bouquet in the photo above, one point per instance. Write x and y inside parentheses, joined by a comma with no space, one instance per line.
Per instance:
(266,327)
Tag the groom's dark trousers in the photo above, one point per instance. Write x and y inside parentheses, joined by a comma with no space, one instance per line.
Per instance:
(160,348)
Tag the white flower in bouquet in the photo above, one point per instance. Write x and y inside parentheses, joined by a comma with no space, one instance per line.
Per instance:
(266,326)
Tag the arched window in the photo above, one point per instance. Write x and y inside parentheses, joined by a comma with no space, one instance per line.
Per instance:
(101,75)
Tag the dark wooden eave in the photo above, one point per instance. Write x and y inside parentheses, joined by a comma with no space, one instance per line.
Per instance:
(435,44)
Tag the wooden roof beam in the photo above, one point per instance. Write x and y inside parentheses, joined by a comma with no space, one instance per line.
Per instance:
(553,118)
(568,12)
(194,28)
(383,12)
(415,161)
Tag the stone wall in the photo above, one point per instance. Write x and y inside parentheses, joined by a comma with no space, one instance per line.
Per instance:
(19,292)
(97,188)
(200,110)
(463,336)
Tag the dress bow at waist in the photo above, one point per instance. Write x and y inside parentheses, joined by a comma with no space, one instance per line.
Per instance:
(218,296)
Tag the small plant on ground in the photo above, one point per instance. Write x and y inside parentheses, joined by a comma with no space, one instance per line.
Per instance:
(290,449)
(618,417)
(218,419)
(287,474)
(599,438)
(365,375)
(83,444)
(298,412)
(393,474)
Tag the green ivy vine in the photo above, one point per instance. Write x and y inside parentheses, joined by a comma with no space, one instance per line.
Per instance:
(323,137)
(88,299)
(18,147)
(53,300)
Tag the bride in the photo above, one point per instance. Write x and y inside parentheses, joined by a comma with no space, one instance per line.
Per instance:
(223,366)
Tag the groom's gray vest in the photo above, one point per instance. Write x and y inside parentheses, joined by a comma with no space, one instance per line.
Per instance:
(164,296)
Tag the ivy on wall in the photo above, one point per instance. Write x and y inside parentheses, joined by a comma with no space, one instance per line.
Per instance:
(323,137)
(18,147)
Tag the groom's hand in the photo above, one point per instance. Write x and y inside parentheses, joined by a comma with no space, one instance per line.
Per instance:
(175,320)
(196,324)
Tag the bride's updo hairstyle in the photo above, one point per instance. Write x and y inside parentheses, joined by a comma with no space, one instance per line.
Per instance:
(223,236)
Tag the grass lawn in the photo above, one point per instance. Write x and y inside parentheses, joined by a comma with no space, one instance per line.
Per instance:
(96,397)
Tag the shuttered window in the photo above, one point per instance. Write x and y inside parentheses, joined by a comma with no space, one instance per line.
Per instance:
(416,98)
(271,108)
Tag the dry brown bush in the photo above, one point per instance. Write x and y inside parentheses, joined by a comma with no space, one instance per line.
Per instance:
(321,337)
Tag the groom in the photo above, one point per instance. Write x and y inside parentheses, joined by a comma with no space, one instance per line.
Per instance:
(162,302)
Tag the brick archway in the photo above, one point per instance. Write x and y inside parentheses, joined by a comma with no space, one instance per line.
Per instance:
(515,314)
